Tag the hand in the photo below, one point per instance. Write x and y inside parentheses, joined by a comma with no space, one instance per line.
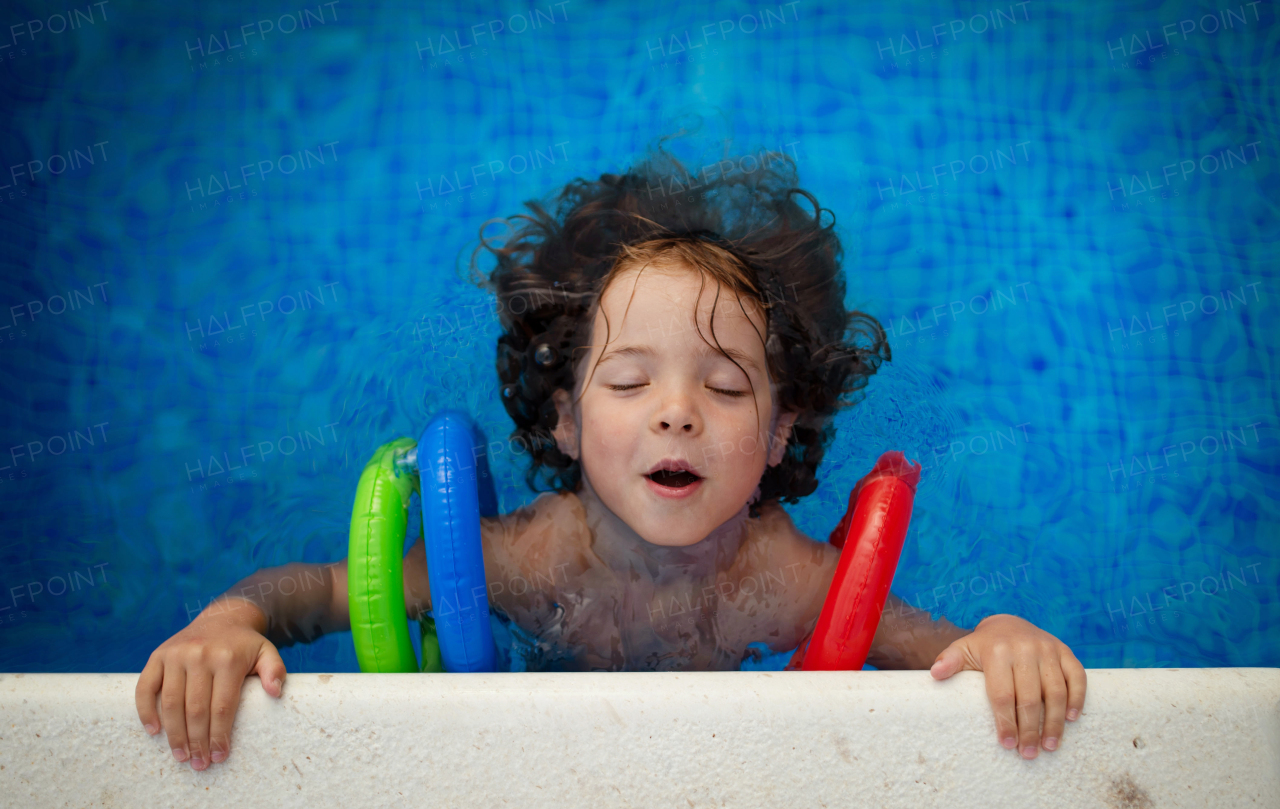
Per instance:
(1023,665)
(198,673)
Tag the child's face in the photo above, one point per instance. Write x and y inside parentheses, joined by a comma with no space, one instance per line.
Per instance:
(660,393)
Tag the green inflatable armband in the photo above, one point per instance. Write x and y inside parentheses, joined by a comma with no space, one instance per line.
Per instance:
(375,567)
(431,659)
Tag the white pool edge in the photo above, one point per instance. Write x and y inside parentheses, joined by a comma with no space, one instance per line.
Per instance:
(1148,738)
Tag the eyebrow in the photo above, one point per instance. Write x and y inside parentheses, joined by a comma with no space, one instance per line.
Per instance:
(706,350)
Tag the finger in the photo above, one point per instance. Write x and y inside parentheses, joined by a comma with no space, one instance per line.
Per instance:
(999,679)
(199,695)
(226,700)
(173,702)
(270,669)
(1054,687)
(144,694)
(1026,684)
(949,662)
(1074,672)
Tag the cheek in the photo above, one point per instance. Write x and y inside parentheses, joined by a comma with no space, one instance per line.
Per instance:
(604,437)
(740,444)
(754,421)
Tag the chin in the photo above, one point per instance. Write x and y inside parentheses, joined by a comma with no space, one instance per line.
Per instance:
(683,537)
(682,542)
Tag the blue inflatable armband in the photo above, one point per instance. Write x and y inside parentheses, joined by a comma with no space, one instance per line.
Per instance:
(449,468)
(457,490)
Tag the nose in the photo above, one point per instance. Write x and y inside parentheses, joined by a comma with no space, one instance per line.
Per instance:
(676,413)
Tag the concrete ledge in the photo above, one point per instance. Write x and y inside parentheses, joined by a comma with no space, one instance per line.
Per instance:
(1148,738)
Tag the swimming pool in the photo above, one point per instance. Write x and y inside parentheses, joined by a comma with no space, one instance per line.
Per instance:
(241,280)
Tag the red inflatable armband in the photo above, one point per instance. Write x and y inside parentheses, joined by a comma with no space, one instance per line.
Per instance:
(870,537)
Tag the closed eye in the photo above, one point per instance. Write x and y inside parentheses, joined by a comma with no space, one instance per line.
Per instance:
(733,393)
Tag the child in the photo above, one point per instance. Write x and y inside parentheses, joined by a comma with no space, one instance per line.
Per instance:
(673,386)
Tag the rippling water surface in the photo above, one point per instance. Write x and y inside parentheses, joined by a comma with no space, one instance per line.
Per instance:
(1065,217)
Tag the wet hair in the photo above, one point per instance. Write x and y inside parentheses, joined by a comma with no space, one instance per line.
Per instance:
(552,269)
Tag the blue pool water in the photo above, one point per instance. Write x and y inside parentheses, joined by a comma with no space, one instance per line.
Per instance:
(240,250)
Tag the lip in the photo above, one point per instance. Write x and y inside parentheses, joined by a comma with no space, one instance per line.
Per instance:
(673,465)
(669,492)
(673,493)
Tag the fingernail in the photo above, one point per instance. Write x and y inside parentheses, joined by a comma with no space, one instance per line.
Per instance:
(218,756)
(1009,743)
(1073,714)
(180,754)
(197,764)
(1029,752)
(1050,743)
(276,682)
(151,729)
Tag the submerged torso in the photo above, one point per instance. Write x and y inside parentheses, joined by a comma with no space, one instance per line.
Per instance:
(581,615)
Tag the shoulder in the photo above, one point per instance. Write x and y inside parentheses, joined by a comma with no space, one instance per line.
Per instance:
(773,540)
(540,536)
(793,573)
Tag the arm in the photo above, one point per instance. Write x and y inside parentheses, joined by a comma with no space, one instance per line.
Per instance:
(300,602)
(1030,675)
(909,638)
(906,637)
(294,603)
(198,672)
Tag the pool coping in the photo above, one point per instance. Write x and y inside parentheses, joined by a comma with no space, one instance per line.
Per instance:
(1147,738)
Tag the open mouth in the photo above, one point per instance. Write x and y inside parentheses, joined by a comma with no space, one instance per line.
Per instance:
(673,479)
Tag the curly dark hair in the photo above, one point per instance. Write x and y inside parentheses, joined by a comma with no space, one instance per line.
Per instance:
(552,270)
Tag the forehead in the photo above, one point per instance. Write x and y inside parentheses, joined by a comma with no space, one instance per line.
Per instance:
(669,287)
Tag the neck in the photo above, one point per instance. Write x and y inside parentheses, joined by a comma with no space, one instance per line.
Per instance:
(629,555)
